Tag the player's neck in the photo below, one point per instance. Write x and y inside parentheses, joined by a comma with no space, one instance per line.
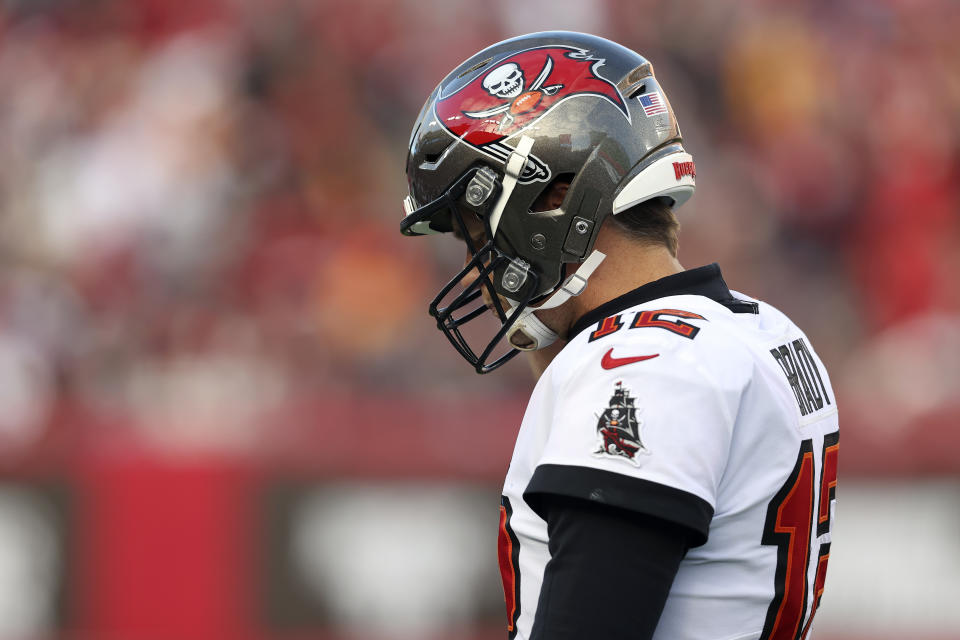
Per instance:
(628,265)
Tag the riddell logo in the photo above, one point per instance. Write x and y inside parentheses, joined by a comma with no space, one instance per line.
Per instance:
(684,169)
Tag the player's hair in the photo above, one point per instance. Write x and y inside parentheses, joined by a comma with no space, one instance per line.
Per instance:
(652,223)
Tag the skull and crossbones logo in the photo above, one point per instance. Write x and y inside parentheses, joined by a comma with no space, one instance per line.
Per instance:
(507,83)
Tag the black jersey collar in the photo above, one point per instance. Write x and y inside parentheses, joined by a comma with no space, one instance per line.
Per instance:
(703,281)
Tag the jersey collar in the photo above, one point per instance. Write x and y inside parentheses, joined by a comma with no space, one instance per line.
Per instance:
(703,281)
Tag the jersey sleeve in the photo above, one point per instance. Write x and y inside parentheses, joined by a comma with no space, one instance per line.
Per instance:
(584,594)
(651,436)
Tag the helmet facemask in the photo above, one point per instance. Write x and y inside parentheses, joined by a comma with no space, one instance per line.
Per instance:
(462,299)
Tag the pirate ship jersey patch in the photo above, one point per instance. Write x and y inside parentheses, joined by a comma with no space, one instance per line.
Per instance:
(618,428)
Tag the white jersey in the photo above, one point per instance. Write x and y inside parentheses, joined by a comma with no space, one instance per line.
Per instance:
(699,406)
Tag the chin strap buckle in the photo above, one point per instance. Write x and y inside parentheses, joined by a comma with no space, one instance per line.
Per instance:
(574,285)
(575,282)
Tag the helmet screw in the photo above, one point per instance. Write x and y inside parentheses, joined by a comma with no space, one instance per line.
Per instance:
(511,281)
(475,194)
(581,226)
(538,241)
(480,186)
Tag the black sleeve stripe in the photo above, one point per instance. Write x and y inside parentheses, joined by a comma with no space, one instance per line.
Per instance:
(605,487)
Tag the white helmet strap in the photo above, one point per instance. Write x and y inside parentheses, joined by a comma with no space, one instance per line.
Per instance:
(537,333)
(516,161)
(576,282)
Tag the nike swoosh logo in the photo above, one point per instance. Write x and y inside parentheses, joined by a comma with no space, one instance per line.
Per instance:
(609,362)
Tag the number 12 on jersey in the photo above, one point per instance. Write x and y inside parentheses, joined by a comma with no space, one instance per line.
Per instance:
(792,526)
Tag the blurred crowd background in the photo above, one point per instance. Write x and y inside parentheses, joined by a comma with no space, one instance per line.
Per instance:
(224,412)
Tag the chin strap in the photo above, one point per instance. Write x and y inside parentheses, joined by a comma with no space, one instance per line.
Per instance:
(529,333)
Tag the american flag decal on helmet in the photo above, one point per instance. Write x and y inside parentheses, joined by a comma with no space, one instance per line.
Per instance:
(652,104)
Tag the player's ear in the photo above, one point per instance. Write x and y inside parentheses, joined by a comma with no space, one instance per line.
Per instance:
(552,197)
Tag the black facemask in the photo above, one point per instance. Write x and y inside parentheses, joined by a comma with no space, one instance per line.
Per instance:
(453,310)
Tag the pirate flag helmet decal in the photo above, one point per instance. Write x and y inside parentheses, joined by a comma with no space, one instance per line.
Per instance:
(494,135)
(517,92)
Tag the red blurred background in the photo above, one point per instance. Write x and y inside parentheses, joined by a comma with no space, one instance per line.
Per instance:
(224,412)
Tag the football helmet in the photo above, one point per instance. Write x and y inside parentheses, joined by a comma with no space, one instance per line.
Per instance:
(495,134)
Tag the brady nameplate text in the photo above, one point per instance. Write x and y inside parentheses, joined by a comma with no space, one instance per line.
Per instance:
(803,375)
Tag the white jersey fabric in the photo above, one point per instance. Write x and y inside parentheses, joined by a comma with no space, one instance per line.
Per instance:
(702,407)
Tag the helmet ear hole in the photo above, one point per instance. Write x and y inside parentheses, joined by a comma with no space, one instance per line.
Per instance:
(553,194)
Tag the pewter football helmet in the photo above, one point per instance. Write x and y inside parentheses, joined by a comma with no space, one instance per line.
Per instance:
(493,136)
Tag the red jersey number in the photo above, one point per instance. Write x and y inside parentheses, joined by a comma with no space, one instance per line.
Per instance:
(791,526)
(508,553)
